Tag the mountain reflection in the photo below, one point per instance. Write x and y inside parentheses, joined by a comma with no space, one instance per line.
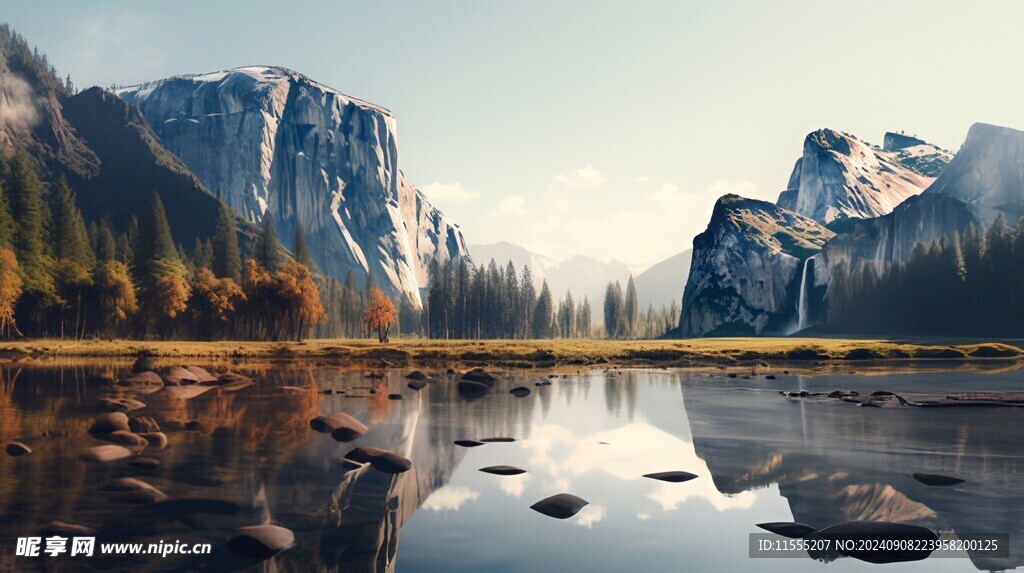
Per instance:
(834,462)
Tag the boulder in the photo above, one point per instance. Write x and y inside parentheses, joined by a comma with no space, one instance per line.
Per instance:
(560,506)
(193,426)
(339,425)
(119,403)
(380,460)
(143,364)
(127,439)
(417,385)
(107,453)
(468,443)
(788,529)
(520,391)
(147,381)
(479,375)
(416,375)
(143,424)
(260,541)
(17,449)
(673,476)
(202,375)
(503,470)
(394,396)
(937,480)
(156,440)
(177,376)
(107,423)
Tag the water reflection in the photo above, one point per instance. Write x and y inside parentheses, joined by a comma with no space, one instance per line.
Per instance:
(251,458)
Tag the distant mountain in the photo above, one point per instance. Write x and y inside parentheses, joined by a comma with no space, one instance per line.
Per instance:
(663,283)
(585,276)
(268,139)
(745,265)
(840,176)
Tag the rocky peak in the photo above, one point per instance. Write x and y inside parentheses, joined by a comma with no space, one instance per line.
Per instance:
(896,141)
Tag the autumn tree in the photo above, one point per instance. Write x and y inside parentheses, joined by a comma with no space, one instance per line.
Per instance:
(10,290)
(379,314)
(213,301)
(298,299)
(24,191)
(114,295)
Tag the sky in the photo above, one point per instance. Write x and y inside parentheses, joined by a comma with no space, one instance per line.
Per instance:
(599,128)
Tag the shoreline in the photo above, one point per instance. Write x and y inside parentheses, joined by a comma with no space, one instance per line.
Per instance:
(707,352)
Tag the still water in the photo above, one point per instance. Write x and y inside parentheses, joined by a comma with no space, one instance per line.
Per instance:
(759,457)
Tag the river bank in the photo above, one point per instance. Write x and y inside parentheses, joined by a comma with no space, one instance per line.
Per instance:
(532,353)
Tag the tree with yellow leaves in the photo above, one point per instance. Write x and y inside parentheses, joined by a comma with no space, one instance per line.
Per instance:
(10,291)
(379,314)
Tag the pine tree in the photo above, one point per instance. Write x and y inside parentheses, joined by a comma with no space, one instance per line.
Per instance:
(35,265)
(6,220)
(70,238)
(155,241)
(267,248)
(302,253)
(630,309)
(106,245)
(542,316)
(227,261)
(202,254)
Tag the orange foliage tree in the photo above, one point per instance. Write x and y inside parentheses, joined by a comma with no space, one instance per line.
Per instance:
(214,300)
(298,298)
(379,314)
(10,291)
(115,293)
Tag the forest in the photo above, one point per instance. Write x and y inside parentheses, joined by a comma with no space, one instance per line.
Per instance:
(960,285)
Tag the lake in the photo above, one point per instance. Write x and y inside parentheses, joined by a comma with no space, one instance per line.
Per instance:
(244,456)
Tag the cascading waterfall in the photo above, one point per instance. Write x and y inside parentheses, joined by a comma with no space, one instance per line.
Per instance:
(801,305)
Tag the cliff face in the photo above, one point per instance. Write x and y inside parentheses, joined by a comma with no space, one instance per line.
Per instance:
(744,275)
(266,139)
(840,176)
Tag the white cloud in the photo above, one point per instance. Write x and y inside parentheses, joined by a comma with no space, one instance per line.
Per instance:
(579,178)
(439,192)
(642,516)
(511,206)
(643,179)
(450,498)
(668,195)
(590,515)
(514,485)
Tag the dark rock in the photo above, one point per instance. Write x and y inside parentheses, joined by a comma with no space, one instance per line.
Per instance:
(450,371)
(470,389)
(119,403)
(674,476)
(731,375)
(416,375)
(107,423)
(864,536)
(348,428)
(142,381)
(788,529)
(862,354)
(561,506)
(870,405)
(769,377)
(468,443)
(347,433)
(394,396)
(380,460)
(17,449)
(503,470)
(156,440)
(260,541)
(499,439)
(143,424)
(178,376)
(327,391)
(520,391)
(107,453)
(417,385)
(479,375)
(143,364)
(193,426)
(937,480)
(882,393)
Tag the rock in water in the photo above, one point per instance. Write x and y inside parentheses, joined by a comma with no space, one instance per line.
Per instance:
(479,375)
(674,476)
(17,449)
(142,382)
(937,480)
(270,140)
(468,443)
(380,460)
(107,423)
(119,403)
(503,470)
(394,396)
(143,364)
(498,439)
(417,385)
(156,440)
(341,426)
(108,453)
(788,529)
(129,440)
(561,506)
(260,541)
(864,537)
(143,425)
(416,375)
(520,391)
(178,376)
(202,375)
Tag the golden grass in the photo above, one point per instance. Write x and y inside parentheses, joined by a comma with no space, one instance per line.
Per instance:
(526,353)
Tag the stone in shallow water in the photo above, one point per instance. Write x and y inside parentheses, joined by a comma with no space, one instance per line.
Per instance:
(178,376)
(561,506)
(147,381)
(416,375)
(674,476)
(106,423)
(468,443)
(864,536)
(341,426)
(17,449)
(143,425)
(156,440)
(499,439)
(789,529)
(472,389)
(119,403)
(380,460)
(417,385)
(131,490)
(479,375)
(127,439)
(520,391)
(202,375)
(394,396)
(503,470)
(260,541)
(107,453)
(937,479)
(142,364)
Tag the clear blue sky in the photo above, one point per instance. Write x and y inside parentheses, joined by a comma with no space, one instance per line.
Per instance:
(601,128)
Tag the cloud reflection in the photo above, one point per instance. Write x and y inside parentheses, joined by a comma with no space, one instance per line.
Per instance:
(450,498)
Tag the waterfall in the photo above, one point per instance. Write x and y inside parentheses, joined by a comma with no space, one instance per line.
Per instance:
(801,308)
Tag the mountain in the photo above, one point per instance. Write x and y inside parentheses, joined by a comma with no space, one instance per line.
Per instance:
(103,146)
(268,139)
(663,283)
(744,275)
(840,176)
(987,173)
(584,276)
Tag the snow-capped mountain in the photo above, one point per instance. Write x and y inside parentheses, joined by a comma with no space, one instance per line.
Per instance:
(268,139)
(840,176)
